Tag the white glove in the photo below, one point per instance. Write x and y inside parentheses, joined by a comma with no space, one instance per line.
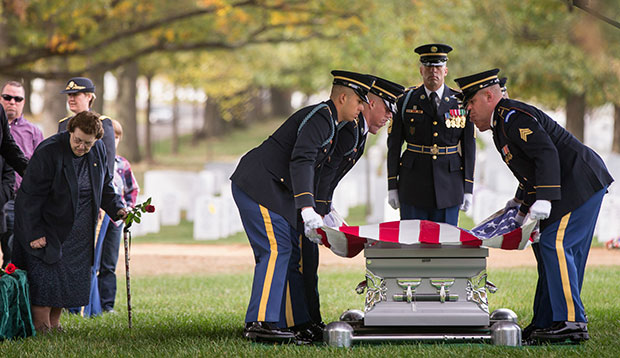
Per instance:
(467,201)
(540,210)
(512,203)
(312,221)
(314,237)
(333,219)
(393,199)
(519,219)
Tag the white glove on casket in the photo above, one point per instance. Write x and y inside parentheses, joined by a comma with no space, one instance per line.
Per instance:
(393,199)
(540,210)
(333,219)
(468,199)
(312,221)
(512,203)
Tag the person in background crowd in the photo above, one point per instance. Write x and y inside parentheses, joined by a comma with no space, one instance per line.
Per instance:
(126,186)
(273,187)
(434,176)
(561,183)
(80,93)
(56,211)
(27,136)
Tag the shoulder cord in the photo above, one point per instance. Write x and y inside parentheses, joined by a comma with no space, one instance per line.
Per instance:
(402,110)
(331,122)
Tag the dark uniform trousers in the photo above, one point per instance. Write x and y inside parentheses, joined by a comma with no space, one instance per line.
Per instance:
(436,168)
(271,183)
(551,164)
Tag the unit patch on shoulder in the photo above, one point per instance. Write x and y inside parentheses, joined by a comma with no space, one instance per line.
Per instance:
(524,132)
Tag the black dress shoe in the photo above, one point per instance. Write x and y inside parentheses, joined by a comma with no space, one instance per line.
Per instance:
(267,332)
(309,332)
(527,331)
(562,331)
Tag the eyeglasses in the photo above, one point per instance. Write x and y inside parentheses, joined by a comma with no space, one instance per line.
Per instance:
(8,98)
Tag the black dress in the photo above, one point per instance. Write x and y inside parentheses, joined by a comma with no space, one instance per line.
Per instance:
(67,282)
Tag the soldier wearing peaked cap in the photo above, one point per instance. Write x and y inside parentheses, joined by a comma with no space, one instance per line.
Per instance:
(80,93)
(379,109)
(274,188)
(561,183)
(433,176)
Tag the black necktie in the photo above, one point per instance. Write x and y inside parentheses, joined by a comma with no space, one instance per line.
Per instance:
(435,101)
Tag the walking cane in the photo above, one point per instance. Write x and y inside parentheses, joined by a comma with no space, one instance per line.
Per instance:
(127,244)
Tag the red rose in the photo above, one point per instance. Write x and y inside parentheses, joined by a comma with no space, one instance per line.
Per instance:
(10,268)
(150,208)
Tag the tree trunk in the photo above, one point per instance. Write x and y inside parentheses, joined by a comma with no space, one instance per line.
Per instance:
(127,92)
(212,124)
(196,122)
(148,146)
(28,93)
(54,106)
(281,102)
(175,122)
(97,78)
(615,146)
(575,114)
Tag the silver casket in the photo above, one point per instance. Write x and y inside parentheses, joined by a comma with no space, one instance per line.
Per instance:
(425,285)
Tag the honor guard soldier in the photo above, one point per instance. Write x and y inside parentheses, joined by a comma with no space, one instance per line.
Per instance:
(274,189)
(561,183)
(434,175)
(350,144)
(80,97)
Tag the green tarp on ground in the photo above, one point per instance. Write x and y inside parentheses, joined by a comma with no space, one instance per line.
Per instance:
(15,315)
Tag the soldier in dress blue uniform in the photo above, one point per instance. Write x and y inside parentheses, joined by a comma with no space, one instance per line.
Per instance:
(434,175)
(562,184)
(273,187)
(350,144)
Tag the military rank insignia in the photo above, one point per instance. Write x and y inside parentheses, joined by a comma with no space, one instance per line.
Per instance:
(524,132)
(456,118)
(506,154)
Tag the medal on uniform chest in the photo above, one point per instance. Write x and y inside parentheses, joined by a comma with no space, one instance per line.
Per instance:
(506,154)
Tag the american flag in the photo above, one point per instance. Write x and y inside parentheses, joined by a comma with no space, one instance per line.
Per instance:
(500,230)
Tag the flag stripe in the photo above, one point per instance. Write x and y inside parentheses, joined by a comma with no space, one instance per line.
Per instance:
(429,232)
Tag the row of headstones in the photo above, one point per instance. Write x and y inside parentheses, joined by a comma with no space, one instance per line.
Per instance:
(206,199)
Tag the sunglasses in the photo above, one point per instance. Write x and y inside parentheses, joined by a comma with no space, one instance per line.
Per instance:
(8,98)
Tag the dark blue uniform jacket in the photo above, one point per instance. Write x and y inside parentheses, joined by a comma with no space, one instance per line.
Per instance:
(547,160)
(349,148)
(426,180)
(282,173)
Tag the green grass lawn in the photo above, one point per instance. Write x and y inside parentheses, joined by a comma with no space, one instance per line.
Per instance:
(202,315)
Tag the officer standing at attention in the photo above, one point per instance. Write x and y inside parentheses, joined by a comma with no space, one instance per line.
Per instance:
(80,97)
(562,184)
(434,175)
(350,144)
(273,187)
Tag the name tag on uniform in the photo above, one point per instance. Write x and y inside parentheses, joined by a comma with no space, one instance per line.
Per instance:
(414,111)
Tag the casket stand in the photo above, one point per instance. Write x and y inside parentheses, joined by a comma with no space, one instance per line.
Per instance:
(428,293)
